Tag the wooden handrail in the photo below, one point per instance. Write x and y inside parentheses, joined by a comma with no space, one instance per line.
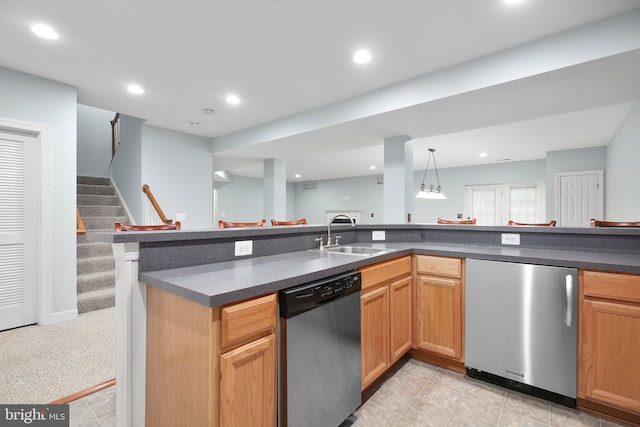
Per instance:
(114,122)
(80,229)
(156,206)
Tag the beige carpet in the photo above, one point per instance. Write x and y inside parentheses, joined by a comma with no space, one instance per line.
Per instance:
(39,364)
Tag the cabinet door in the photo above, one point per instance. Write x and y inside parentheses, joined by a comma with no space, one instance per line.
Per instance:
(248,385)
(401,315)
(374,308)
(611,351)
(439,316)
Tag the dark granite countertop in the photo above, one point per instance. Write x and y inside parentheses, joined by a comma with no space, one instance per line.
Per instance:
(220,283)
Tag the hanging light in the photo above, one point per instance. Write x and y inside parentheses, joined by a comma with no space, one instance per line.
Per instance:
(429,191)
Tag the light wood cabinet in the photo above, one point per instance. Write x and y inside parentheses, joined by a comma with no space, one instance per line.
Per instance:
(210,366)
(609,340)
(439,306)
(386,316)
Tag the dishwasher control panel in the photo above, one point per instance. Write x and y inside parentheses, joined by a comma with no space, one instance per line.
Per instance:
(301,298)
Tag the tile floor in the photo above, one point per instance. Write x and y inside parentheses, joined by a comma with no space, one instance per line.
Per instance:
(418,395)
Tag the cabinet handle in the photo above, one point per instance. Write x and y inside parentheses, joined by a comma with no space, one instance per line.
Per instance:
(568,287)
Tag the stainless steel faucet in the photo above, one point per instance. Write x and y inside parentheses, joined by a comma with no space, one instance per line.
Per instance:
(329,244)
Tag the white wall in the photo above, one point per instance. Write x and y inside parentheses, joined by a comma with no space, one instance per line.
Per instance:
(36,100)
(178,169)
(94,141)
(622,199)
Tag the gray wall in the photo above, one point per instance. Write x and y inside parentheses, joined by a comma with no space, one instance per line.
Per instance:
(361,192)
(126,167)
(240,200)
(178,169)
(455,180)
(36,100)
(94,141)
(622,198)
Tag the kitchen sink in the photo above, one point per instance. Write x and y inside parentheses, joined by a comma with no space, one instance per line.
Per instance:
(357,250)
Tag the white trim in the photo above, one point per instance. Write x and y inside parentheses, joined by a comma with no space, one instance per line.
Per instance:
(44,260)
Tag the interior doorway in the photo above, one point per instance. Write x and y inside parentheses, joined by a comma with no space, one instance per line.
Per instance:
(579,198)
(18,229)
(26,224)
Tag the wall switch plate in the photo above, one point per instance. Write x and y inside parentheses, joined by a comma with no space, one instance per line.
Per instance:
(244,247)
(510,239)
(377,235)
(181,216)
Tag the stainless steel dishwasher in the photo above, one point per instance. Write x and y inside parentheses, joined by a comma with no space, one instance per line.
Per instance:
(521,327)
(320,356)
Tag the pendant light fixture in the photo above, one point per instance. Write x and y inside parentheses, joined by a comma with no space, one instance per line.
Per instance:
(429,191)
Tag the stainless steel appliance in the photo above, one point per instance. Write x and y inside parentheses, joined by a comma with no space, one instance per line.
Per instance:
(521,327)
(320,357)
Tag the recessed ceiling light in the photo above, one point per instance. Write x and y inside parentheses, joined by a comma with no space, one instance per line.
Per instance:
(44,31)
(233,99)
(362,56)
(512,1)
(137,89)
(298,175)
(482,155)
(372,167)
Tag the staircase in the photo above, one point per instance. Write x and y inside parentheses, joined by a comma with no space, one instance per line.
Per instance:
(99,207)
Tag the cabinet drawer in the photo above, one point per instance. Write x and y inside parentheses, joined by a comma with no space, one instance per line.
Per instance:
(623,287)
(381,273)
(248,320)
(439,266)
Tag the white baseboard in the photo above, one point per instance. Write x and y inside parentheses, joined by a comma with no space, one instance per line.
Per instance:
(59,316)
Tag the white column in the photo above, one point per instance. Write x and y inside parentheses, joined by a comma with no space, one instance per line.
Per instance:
(398,179)
(275,189)
(131,324)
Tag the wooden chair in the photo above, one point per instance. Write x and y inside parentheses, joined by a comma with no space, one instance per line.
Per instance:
(596,223)
(456,221)
(294,222)
(123,227)
(542,224)
(227,224)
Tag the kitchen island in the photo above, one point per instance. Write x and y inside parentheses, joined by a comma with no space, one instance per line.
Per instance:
(201,267)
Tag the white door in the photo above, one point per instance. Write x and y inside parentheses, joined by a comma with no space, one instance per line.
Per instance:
(579,198)
(18,230)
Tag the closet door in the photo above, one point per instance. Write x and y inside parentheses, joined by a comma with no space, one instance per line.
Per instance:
(18,230)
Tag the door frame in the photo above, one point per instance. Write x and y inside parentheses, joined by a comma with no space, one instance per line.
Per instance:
(44,246)
(558,198)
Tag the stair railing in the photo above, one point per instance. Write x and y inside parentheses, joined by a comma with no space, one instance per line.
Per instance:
(114,122)
(153,212)
(80,228)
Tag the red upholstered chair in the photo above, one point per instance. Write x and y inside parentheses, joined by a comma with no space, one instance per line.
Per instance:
(542,224)
(123,227)
(596,223)
(456,221)
(300,221)
(227,224)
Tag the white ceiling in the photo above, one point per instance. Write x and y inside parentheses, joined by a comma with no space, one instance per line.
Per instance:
(284,57)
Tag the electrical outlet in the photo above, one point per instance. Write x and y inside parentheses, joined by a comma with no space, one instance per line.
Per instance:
(244,247)
(181,216)
(510,239)
(377,235)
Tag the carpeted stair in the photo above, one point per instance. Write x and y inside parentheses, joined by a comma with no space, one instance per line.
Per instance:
(99,207)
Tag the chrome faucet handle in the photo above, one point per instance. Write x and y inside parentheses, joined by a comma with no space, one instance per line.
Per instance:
(319,239)
(338,240)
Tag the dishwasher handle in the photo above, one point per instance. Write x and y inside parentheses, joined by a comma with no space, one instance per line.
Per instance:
(569,295)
